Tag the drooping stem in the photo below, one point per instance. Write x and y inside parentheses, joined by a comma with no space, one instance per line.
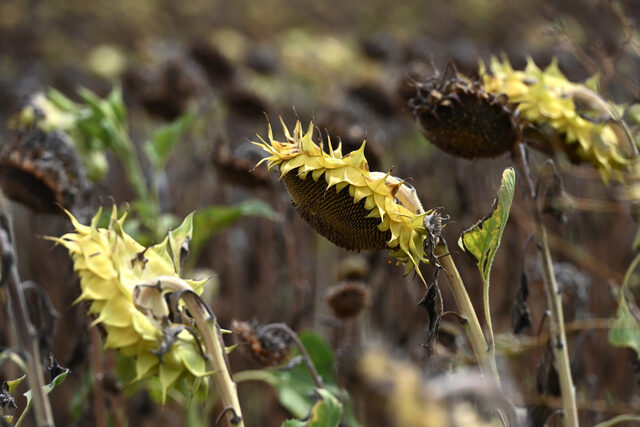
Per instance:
(22,326)
(554,297)
(224,384)
(317,379)
(472,326)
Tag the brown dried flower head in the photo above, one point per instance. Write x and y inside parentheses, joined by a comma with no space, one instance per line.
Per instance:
(269,347)
(460,117)
(347,299)
(41,170)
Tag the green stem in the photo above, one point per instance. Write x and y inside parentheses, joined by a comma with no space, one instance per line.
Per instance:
(487,316)
(472,326)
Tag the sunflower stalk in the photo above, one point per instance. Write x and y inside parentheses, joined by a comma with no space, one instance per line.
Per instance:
(214,346)
(554,297)
(486,358)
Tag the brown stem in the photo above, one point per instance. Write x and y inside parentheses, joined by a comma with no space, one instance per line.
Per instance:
(98,375)
(22,326)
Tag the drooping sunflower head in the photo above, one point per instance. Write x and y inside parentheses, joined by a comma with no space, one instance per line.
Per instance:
(121,280)
(458,116)
(345,202)
(586,125)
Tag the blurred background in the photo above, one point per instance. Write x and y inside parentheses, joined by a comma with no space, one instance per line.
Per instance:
(346,65)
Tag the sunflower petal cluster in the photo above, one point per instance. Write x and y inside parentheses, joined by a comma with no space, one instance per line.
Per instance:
(548,97)
(112,267)
(300,158)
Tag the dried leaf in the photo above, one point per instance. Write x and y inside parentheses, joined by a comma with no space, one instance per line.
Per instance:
(520,316)
(432,303)
(179,240)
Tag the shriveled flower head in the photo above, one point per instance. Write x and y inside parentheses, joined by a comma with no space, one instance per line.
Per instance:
(338,196)
(121,280)
(458,116)
(573,112)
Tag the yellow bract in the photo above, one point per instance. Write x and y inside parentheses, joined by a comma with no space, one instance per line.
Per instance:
(111,265)
(548,97)
(381,192)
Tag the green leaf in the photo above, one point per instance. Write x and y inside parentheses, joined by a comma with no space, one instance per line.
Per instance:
(625,331)
(294,386)
(179,239)
(46,389)
(159,148)
(326,412)
(62,102)
(13,384)
(213,219)
(481,241)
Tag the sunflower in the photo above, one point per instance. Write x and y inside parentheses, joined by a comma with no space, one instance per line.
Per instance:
(583,121)
(120,278)
(458,116)
(346,203)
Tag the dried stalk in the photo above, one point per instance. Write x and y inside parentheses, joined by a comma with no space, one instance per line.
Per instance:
(22,326)
(554,297)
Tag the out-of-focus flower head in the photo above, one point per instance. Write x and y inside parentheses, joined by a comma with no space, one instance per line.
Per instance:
(121,280)
(572,112)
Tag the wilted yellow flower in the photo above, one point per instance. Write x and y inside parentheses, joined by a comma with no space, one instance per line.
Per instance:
(121,279)
(547,97)
(338,196)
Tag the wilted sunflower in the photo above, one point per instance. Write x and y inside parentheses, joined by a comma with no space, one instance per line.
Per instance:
(338,196)
(459,116)
(120,278)
(572,112)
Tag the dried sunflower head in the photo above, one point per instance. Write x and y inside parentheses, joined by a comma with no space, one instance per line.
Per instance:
(338,196)
(348,298)
(42,170)
(583,121)
(117,276)
(458,116)
(269,347)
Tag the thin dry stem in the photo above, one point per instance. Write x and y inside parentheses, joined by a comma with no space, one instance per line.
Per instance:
(554,298)
(24,329)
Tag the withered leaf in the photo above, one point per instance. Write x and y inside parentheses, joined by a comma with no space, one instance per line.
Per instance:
(432,303)
(520,316)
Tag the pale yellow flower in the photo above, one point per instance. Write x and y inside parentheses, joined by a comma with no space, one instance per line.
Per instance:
(113,269)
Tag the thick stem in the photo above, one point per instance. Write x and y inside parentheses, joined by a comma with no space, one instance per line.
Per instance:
(472,325)
(554,299)
(23,328)
(214,345)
